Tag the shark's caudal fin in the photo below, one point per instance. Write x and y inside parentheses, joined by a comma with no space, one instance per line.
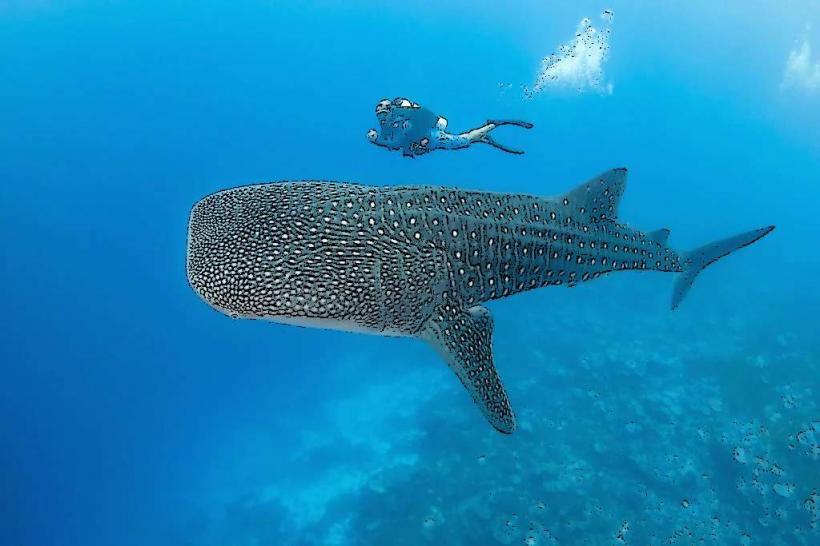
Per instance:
(697,260)
(464,339)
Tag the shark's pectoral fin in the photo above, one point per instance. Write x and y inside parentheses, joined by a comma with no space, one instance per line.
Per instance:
(464,340)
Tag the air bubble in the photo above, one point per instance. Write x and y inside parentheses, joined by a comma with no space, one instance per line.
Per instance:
(578,63)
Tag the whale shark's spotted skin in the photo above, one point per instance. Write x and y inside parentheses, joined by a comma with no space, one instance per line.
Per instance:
(417,261)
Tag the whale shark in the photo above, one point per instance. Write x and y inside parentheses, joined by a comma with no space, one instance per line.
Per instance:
(420,261)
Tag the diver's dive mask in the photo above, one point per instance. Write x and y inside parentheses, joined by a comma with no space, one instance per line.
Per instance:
(382,110)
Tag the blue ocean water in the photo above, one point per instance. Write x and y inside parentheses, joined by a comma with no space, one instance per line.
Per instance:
(131,413)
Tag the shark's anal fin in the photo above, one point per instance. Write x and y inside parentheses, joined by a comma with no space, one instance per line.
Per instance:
(464,339)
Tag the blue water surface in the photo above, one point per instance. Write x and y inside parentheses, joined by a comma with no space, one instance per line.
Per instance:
(133,414)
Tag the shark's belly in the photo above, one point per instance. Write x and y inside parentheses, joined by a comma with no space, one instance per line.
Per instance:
(344,325)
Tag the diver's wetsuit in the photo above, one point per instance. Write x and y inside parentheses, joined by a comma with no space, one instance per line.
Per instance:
(450,141)
(415,130)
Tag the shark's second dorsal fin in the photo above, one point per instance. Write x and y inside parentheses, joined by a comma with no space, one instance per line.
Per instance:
(464,339)
(660,236)
(596,199)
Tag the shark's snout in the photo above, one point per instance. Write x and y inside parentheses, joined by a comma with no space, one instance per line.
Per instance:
(220,262)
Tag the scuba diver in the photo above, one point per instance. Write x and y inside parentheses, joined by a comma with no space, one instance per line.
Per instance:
(415,130)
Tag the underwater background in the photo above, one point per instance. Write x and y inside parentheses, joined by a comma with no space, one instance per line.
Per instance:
(131,413)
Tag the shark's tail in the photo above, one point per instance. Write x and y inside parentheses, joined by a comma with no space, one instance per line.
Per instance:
(697,260)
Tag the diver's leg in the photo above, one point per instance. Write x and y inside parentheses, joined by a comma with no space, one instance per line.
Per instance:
(448,141)
(479,134)
(482,134)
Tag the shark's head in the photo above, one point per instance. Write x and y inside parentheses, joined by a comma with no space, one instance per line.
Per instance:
(236,245)
(254,251)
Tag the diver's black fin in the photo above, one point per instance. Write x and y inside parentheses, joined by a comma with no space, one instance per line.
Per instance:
(487,139)
(516,122)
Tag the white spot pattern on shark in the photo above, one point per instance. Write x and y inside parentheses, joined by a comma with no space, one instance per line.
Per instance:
(418,260)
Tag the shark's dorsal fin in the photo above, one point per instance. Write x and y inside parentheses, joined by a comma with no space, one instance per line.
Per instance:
(660,236)
(464,339)
(598,198)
